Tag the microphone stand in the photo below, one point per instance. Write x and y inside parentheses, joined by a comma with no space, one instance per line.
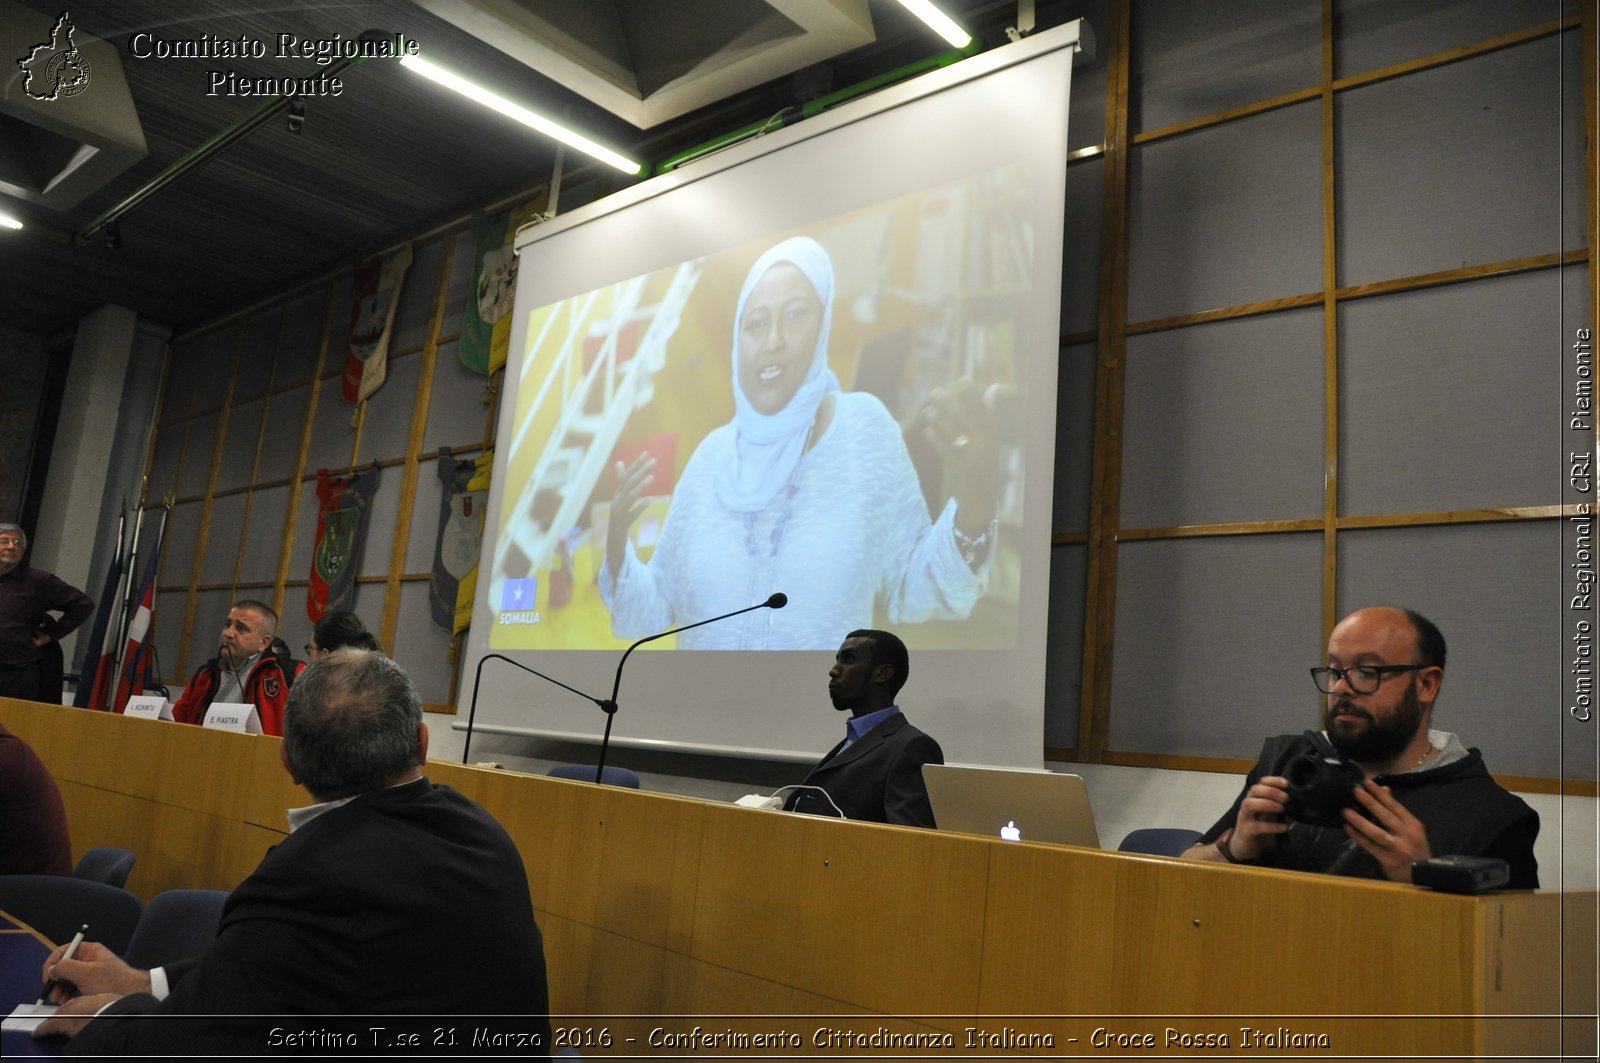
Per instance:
(606,705)
(775,601)
(609,708)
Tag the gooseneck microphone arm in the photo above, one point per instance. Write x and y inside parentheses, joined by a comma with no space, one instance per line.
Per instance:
(609,706)
(472,713)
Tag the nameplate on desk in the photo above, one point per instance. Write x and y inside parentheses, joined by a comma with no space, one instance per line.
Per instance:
(149,707)
(237,716)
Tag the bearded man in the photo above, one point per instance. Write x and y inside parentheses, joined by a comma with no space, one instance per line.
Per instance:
(1424,793)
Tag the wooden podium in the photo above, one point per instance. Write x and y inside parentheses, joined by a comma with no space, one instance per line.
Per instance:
(680,927)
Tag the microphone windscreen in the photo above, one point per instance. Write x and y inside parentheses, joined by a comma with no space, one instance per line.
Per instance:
(778,600)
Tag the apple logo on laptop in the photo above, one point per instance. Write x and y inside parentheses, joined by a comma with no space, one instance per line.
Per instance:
(1010,832)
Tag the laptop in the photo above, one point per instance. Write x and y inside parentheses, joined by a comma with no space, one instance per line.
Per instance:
(1030,806)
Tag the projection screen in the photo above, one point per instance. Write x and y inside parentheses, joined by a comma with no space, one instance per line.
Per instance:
(821,363)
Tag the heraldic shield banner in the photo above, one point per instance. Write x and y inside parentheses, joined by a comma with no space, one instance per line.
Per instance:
(341,529)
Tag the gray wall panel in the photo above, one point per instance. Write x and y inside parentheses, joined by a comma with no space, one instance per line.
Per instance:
(301,340)
(1075,383)
(386,426)
(1198,57)
(163,473)
(411,317)
(1450,398)
(424,517)
(1227,215)
(258,344)
(168,626)
(1086,112)
(1461,164)
(456,412)
(305,538)
(1080,266)
(333,441)
(177,552)
(1214,637)
(197,450)
(264,534)
(239,446)
(222,545)
(422,649)
(379,544)
(1369,34)
(1064,645)
(280,444)
(1224,422)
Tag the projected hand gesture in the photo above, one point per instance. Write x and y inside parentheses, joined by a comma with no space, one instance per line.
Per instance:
(959,423)
(627,505)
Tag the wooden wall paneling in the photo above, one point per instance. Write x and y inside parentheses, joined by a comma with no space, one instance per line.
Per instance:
(313,396)
(413,455)
(203,538)
(1454,55)
(1099,622)
(261,435)
(1330,325)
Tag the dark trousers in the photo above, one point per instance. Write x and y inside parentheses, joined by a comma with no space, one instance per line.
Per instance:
(21,681)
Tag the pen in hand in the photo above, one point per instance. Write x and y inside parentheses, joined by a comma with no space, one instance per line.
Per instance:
(72,950)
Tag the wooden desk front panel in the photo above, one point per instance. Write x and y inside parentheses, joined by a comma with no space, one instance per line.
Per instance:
(656,905)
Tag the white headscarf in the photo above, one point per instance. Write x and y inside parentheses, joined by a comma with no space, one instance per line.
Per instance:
(767,447)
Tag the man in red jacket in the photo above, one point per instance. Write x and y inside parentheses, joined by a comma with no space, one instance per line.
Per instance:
(244,670)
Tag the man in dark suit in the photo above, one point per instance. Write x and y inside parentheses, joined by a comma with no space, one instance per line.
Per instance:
(390,897)
(875,774)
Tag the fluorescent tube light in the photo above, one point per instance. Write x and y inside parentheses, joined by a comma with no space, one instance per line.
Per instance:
(8,222)
(528,118)
(938,21)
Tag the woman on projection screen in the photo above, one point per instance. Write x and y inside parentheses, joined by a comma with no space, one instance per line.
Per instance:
(809,490)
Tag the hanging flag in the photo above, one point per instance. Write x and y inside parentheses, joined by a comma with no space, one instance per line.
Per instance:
(495,283)
(467,589)
(139,652)
(100,652)
(460,537)
(377,294)
(486,323)
(341,529)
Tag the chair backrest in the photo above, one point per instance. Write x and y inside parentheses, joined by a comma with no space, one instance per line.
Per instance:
(1159,841)
(177,924)
(610,776)
(106,864)
(57,905)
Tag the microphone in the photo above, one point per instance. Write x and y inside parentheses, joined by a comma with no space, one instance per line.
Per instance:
(607,705)
(225,651)
(472,712)
(775,601)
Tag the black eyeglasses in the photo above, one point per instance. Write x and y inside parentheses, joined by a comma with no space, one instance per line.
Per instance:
(1363,679)
(310,649)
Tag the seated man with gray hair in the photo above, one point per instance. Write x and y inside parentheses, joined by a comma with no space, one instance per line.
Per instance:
(391,896)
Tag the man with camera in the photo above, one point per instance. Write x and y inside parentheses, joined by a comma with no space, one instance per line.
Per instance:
(1381,790)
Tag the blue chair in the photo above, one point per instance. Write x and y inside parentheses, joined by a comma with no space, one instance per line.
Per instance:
(1159,841)
(106,864)
(611,776)
(177,924)
(57,905)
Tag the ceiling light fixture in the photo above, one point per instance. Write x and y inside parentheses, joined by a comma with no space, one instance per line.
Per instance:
(528,118)
(8,222)
(938,21)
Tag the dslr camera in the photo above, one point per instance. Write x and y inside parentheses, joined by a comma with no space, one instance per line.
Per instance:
(1321,785)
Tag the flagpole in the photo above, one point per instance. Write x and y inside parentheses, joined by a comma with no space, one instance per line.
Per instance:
(124,588)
